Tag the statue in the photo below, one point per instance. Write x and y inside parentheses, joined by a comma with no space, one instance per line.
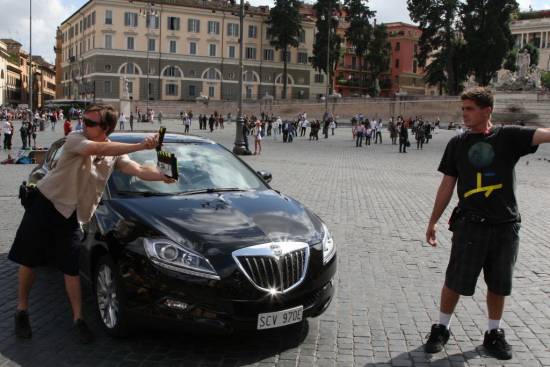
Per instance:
(125,90)
(524,62)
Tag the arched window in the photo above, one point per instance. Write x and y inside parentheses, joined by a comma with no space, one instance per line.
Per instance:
(211,74)
(172,71)
(250,76)
(130,68)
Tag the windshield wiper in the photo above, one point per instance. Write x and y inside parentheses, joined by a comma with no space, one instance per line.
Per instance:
(210,191)
(145,193)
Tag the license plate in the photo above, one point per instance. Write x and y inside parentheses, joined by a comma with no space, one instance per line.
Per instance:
(280,318)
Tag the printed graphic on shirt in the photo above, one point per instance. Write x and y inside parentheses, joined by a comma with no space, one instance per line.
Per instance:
(482,155)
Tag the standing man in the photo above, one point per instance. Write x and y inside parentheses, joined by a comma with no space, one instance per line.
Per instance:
(68,195)
(131,121)
(122,121)
(486,223)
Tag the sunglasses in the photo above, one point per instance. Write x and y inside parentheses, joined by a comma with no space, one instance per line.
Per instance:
(89,122)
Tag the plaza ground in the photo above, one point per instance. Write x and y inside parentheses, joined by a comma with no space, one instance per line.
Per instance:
(377,203)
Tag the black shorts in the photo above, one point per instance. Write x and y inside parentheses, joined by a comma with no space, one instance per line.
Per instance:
(477,246)
(46,238)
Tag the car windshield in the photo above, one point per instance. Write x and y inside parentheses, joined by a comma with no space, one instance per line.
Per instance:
(201,167)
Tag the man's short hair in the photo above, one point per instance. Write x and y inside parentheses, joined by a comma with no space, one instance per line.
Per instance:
(482,97)
(108,116)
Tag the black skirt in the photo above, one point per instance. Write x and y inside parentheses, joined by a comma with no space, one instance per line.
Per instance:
(46,238)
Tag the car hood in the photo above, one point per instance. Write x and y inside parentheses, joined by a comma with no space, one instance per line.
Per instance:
(225,222)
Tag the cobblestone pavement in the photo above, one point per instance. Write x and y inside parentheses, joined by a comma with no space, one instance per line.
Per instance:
(376,202)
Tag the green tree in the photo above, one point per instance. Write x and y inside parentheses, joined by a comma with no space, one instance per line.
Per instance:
(378,57)
(439,21)
(546,79)
(359,32)
(326,11)
(510,62)
(485,26)
(284,26)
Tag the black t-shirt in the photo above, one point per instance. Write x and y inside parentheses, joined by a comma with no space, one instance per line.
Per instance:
(485,167)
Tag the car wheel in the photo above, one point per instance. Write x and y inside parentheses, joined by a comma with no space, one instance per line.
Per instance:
(110,298)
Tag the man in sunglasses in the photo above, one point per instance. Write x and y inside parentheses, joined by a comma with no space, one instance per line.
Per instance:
(68,195)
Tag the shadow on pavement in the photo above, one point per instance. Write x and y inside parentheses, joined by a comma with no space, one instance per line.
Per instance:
(55,344)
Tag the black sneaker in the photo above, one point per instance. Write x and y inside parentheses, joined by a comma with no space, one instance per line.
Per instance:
(496,345)
(84,333)
(22,325)
(438,337)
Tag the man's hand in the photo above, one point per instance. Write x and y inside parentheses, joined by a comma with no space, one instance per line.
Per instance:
(431,234)
(166,179)
(150,142)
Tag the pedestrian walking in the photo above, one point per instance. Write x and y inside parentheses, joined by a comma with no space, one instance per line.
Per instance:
(393,132)
(420,136)
(486,223)
(258,138)
(359,133)
(332,126)
(23,131)
(7,130)
(403,138)
(121,121)
(68,195)
(378,131)
(131,121)
(187,122)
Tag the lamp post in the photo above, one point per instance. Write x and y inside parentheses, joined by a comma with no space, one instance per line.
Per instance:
(335,18)
(240,146)
(30,59)
(148,13)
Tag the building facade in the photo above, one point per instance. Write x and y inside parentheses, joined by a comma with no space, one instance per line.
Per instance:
(4,56)
(175,50)
(534,28)
(403,75)
(17,82)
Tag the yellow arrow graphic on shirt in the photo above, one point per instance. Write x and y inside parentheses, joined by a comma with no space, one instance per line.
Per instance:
(488,190)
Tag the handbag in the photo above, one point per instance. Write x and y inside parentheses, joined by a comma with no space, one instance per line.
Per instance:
(27,194)
(408,144)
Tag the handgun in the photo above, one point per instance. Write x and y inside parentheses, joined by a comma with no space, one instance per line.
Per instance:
(162,131)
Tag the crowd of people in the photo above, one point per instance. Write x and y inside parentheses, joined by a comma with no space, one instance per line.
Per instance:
(371,131)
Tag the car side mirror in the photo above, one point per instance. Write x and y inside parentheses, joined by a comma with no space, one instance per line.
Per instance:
(266,176)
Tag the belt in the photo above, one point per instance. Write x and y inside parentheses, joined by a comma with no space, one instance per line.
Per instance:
(477,218)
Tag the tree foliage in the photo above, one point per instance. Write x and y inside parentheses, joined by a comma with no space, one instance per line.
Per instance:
(326,10)
(378,57)
(359,32)
(284,26)
(485,26)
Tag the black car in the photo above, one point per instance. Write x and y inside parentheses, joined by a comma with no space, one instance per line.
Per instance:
(219,250)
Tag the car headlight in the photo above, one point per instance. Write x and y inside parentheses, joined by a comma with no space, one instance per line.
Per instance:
(172,256)
(329,250)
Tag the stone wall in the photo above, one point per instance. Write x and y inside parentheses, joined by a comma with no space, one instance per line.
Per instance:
(446,109)
(530,107)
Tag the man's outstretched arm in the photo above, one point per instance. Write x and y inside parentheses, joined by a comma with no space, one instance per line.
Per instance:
(444,195)
(541,136)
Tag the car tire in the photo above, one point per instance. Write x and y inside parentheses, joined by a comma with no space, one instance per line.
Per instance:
(109,298)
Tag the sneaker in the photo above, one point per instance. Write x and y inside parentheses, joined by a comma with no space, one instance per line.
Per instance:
(22,325)
(496,345)
(84,333)
(438,337)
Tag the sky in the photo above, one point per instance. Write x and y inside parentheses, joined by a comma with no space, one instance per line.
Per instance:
(48,14)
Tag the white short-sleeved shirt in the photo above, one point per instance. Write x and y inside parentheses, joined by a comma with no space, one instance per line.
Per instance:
(78,181)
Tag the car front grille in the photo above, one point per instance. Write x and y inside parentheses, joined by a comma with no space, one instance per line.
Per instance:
(275,274)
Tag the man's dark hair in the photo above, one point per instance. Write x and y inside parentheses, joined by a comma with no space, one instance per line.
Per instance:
(108,116)
(482,97)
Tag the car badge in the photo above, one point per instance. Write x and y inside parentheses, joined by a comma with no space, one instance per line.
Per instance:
(277,251)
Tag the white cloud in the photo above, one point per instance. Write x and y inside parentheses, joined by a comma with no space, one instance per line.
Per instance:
(46,16)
